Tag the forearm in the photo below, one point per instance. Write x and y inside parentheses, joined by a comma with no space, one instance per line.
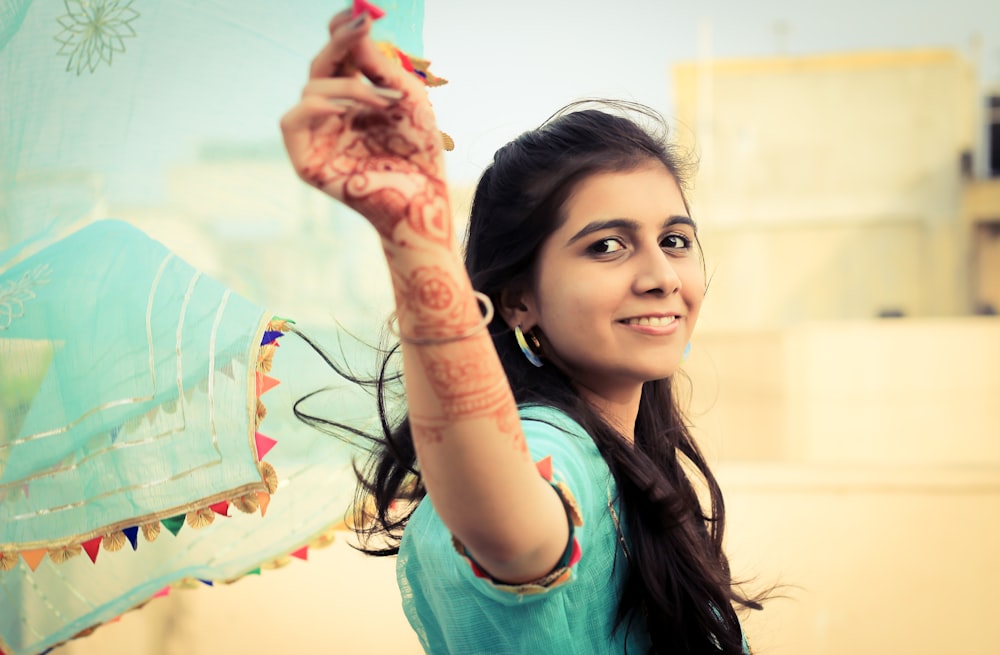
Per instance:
(466,430)
(376,148)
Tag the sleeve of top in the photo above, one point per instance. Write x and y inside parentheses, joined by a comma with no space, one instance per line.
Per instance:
(567,457)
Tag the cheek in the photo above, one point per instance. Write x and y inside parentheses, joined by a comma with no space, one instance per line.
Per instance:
(693,287)
(569,311)
(585,299)
(691,272)
(561,308)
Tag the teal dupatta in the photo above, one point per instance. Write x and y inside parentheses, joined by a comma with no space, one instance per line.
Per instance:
(147,439)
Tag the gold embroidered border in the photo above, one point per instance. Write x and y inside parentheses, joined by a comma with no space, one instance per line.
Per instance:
(266,485)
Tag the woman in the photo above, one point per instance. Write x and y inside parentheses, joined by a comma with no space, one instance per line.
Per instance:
(589,284)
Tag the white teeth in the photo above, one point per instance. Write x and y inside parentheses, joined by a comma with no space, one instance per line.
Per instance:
(651,320)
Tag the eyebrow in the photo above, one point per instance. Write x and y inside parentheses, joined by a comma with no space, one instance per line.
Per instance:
(625,224)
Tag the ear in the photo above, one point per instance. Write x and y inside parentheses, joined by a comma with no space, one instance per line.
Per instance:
(518,308)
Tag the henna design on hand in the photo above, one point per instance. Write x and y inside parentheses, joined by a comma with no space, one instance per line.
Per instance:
(386,165)
(430,215)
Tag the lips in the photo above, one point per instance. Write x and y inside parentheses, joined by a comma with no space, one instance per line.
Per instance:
(653,321)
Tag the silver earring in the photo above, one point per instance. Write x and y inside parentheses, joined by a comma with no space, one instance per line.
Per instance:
(525,348)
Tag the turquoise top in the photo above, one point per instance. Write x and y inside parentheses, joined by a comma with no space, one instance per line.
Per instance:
(454,611)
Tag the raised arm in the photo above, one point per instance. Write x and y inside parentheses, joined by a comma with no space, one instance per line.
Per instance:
(364,133)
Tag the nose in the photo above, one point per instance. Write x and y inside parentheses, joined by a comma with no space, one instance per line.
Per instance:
(655,275)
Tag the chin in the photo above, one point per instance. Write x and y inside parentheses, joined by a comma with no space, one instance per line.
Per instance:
(660,371)
(659,374)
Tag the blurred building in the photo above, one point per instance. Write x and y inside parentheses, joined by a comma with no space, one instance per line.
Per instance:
(981,212)
(846,370)
(849,170)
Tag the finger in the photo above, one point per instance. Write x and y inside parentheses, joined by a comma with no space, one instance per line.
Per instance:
(304,115)
(328,98)
(324,97)
(343,37)
(341,18)
(298,123)
(352,88)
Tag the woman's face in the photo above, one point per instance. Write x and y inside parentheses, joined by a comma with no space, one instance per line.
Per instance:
(619,284)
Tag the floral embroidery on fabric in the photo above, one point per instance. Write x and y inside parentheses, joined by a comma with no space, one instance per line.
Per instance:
(14,293)
(93,30)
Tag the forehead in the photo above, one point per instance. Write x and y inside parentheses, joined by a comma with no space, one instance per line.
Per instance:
(648,193)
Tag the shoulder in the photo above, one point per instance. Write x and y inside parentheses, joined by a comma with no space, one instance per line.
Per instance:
(547,424)
(550,431)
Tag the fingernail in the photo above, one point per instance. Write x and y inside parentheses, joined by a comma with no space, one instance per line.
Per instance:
(358,22)
(390,94)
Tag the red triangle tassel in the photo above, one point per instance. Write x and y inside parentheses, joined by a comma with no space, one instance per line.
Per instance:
(92,547)
(544,467)
(264,444)
(361,6)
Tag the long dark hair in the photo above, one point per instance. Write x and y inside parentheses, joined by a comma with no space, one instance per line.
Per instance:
(678,584)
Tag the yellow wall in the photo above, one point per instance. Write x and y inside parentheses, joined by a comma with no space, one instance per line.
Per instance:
(876,561)
(766,277)
(900,391)
(859,135)
(869,481)
(830,186)
(337,602)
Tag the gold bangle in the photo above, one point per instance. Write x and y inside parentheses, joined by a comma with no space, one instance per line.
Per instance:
(483,300)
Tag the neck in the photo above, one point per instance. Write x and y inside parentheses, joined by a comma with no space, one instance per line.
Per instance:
(618,409)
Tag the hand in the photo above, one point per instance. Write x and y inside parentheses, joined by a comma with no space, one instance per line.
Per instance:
(364,132)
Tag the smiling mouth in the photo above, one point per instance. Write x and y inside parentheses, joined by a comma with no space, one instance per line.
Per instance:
(653,321)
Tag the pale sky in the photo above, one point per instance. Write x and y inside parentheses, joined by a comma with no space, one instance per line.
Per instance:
(224,72)
(512,63)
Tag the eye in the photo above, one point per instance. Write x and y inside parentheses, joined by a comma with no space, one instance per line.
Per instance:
(676,242)
(606,246)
